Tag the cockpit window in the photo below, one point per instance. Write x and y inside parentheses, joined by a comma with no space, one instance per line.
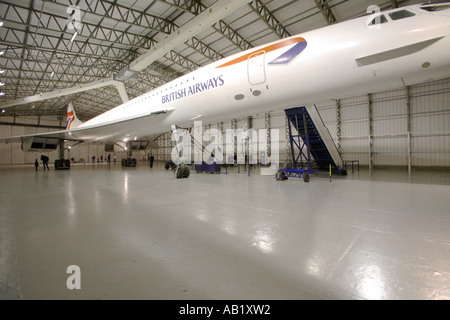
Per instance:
(402,14)
(378,20)
(436,8)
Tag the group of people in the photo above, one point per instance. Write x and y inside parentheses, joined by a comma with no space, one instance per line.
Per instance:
(45,160)
(108,159)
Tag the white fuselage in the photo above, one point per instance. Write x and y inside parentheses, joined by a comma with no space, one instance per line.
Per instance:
(340,60)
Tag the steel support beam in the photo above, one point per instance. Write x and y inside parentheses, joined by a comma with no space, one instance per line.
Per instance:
(268,134)
(326,11)
(68,91)
(202,21)
(370,106)
(193,6)
(199,23)
(272,22)
(408,127)
(221,26)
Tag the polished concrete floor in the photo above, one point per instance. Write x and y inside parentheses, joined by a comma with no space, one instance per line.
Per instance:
(139,233)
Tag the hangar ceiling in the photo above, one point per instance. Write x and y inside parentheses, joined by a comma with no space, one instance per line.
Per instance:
(48,48)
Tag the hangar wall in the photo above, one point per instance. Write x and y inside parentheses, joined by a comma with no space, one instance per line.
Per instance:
(396,128)
(408,126)
(12,153)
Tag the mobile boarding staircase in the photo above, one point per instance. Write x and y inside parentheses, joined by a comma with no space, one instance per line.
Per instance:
(312,140)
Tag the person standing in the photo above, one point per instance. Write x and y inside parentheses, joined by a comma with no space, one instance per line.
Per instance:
(36,164)
(45,159)
(152,158)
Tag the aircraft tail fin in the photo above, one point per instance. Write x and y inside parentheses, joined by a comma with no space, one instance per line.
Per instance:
(72,120)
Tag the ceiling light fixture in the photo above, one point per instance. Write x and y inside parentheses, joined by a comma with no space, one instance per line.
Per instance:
(73,37)
(2,83)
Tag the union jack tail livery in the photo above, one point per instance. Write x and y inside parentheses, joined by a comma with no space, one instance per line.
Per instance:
(72,120)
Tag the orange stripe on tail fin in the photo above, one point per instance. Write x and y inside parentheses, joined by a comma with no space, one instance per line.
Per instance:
(71,118)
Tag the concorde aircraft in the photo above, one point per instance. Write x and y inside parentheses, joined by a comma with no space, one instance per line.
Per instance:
(376,52)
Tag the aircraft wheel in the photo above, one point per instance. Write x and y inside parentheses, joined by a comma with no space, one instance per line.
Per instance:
(186,172)
(281,176)
(179,172)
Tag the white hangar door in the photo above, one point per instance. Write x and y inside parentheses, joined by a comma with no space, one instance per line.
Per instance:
(256,68)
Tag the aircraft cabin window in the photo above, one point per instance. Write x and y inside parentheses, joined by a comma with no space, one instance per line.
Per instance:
(402,14)
(378,20)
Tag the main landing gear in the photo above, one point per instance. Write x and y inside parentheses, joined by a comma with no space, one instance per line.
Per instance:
(129,162)
(181,171)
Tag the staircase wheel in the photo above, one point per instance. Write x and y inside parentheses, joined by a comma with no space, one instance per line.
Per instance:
(306,177)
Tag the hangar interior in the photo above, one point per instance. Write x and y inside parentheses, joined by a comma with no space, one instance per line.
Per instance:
(381,232)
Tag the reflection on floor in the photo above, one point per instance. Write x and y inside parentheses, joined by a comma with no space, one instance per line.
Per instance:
(140,233)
